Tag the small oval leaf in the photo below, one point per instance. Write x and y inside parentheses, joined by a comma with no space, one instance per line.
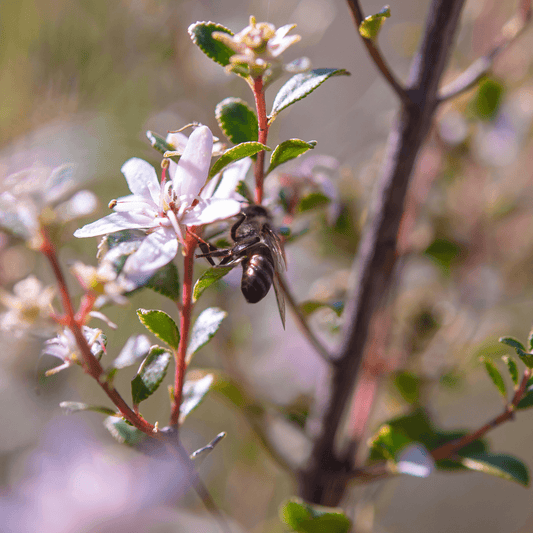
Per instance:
(122,431)
(301,85)
(150,375)
(202,36)
(160,144)
(240,151)
(370,27)
(195,388)
(161,325)
(288,150)
(237,120)
(204,329)
(495,376)
(514,343)
(526,402)
(304,517)
(512,367)
(209,277)
(135,349)
(74,407)
(499,465)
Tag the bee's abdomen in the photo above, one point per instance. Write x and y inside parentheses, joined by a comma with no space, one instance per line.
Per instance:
(257,276)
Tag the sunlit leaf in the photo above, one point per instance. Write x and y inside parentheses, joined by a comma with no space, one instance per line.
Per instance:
(166,282)
(122,431)
(499,465)
(512,367)
(304,517)
(514,343)
(495,376)
(408,386)
(237,120)
(202,36)
(73,407)
(288,150)
(300,86)
(150,374)
(488,99)
(245,149)
(313,200)
(371,26)
(204,329)
(207,279)
(161,325)
(135,349)
(195,388)
(310,306)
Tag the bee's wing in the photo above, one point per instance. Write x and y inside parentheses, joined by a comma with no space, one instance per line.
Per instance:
(279,298)
(275,244)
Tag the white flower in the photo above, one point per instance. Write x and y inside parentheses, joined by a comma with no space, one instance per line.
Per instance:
(30,305)
(64,347)
(258,45)
(163,210)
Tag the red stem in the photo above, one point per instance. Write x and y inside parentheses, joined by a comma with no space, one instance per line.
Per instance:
(262,119)
(185,324)
(91,364)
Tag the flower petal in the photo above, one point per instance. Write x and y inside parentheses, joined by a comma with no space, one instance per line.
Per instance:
(193,165)
(231,178)
(211,210)
(142,179)
(114,222)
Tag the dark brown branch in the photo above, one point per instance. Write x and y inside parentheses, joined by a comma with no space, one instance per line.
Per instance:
(481,67)
(324,479)
(373,50)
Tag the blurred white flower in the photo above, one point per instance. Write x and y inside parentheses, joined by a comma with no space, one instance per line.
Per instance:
(65,347)
(38,196)
(163,210)
(30,305)
(258,45)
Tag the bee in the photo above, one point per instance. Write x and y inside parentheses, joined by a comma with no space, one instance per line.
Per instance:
(258,248)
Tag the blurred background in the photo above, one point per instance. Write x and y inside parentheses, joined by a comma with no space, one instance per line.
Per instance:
(82,80)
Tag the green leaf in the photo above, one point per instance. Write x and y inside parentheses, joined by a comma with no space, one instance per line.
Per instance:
(514,343)
(300,86)
(306,518)
(204,329)
(240,151)
(150,374)
(370,27)
(136,348)
(387,442)
(161,145)
(313,200)
(288,150)
(512,367)
(530,340)
(237,120)
(495,376)
(526,402)
(499,465)
(202,36)
(166,281)
(122,431)
(195,388)
(209,277)
(161,325)
(408,386)
(74,407)
(308,307)
(488,99)
(444,253)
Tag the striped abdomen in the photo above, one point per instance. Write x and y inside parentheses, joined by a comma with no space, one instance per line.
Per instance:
(257,274)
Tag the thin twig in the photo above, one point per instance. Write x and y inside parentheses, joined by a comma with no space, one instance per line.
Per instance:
(301,322)
(375,53)
(259,96)
(481,67)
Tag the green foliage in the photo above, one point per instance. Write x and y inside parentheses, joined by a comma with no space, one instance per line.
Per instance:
(525,356)
(123,432)
(371,26)
(408,386)
(308,307)
(201,34)
(313,200)
(245,149)
(74,407)
(197,385)
(150,374)
(288,150)
(512,367)
(444,253)
(306,518)
(161,325)
(166,282)
(488,99)
(161,145)
(500,465)
(300,86)
(237,120)
(495,376)
(207,279)
(204,329)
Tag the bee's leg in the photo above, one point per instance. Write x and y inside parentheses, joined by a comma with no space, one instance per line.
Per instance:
(235,226)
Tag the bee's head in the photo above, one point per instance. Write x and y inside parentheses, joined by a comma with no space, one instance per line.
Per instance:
(255,211)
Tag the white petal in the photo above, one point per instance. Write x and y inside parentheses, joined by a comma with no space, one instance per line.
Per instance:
(231,177)
(210,187)
(178,141)
(114,222)
(216,209)
(142,179)
(158,249)
(193,165)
